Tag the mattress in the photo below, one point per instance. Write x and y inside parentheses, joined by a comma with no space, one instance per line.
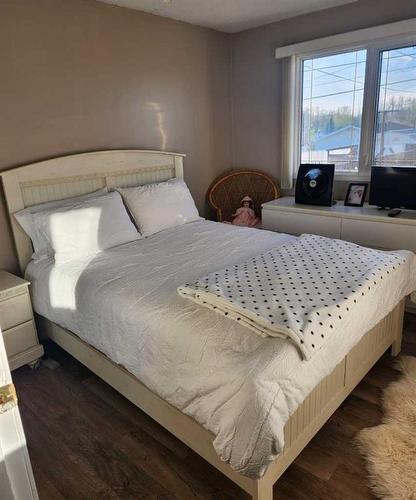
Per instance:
(240,386)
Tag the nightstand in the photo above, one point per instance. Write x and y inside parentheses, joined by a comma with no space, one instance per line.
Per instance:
(17,323)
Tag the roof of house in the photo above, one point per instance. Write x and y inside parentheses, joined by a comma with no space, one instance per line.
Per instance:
(341,138)
(394,141)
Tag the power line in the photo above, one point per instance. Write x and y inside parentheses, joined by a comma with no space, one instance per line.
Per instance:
(362,89)
(408,68)
(352,63)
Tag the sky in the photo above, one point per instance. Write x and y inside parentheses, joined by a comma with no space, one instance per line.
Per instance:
(338,80)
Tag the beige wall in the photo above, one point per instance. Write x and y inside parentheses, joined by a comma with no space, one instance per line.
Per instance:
(256,91)
(79,75)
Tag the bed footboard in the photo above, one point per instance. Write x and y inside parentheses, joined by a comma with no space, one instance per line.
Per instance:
(331,392)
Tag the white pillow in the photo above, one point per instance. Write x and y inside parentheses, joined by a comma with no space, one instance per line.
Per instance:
(86,227)
(25,219)
(155,207)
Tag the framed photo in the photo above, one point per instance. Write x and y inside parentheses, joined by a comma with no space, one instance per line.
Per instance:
(356,194)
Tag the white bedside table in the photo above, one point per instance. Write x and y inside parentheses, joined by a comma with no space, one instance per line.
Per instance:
(17,323)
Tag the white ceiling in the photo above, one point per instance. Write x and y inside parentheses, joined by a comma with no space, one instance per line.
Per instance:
(228,15)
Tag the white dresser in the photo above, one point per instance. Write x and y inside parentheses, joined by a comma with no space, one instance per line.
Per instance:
(365,226)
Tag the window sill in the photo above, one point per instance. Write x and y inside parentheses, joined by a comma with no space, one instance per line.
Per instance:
(351,177)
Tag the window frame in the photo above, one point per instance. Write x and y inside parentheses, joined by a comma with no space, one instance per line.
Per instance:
(370,100)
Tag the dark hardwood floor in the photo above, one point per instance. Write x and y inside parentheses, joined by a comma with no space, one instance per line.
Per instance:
(86,441)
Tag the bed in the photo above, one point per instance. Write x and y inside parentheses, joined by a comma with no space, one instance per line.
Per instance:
(306,402)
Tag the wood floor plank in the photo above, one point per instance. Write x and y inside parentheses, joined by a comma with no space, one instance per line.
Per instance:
(87,441)
(126,410)
(318,458)
(298,484)
(368,392)
(86,433)
(59,463)
(350,482)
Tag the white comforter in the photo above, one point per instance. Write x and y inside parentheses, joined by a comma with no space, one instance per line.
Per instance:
(238,385)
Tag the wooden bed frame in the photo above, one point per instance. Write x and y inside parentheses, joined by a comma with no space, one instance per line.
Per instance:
(74,175)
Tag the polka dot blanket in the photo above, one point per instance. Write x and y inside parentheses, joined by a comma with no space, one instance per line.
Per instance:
(302,290)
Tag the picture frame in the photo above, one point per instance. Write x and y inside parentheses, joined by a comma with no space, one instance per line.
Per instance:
(356,194)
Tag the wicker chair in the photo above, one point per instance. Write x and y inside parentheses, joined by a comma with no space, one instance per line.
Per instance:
(226,192)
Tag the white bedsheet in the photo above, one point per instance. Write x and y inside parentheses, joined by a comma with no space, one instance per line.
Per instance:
(238,385)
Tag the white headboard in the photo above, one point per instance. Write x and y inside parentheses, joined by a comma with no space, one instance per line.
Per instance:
(73,175)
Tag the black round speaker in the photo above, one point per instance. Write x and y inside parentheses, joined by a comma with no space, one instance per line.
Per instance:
(314,184)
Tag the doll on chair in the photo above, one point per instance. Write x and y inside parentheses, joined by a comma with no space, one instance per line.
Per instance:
(245,215)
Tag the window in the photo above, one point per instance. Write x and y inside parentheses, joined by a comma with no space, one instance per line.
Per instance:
(356,108)
(332,103)
(395,142)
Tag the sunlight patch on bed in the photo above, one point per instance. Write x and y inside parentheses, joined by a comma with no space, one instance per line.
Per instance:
(87,221)
(63,285)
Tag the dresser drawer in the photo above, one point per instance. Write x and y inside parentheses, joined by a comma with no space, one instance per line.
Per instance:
(298,223)
(15,311)
(379,234)
(20,338)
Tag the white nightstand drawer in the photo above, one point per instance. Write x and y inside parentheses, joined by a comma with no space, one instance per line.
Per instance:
(15,311)
(298,223)
(20,338)
(17,323)
(379,234)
